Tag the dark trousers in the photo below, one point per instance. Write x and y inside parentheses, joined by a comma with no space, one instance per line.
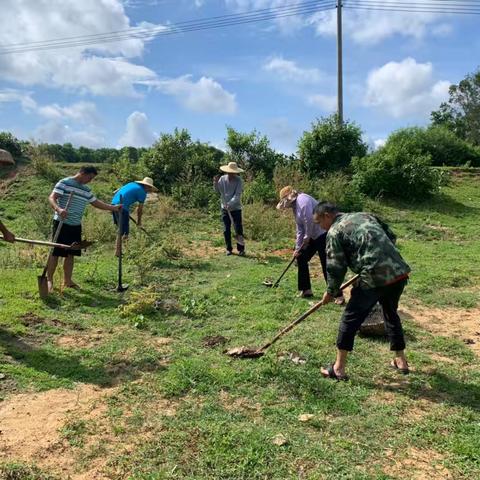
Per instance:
(227,228)
(359,306)
(315,246)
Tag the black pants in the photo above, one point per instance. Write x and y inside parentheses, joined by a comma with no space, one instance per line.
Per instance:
(359,306)
(315,246)
(227,228)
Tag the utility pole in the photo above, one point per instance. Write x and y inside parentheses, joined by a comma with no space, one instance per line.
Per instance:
(339,64)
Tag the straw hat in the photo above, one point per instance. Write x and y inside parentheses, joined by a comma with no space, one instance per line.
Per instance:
(287,196)
(232,167)
(6,158)
(147,181)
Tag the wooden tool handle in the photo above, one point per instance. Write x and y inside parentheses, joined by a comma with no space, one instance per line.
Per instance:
(304,316)
(38,242)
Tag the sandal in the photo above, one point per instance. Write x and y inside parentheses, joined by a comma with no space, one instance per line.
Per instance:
(404,371)
(331,374)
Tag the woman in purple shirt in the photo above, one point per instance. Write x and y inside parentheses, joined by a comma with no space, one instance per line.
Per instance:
(310,238)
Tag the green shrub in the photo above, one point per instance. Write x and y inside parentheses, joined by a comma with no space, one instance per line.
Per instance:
(444,147)
(292,174)
(11,144)
(45,167)
(338,188)
(263,222)
(330,146)
(394,171)
(259,190)
(127,170)
(195,194)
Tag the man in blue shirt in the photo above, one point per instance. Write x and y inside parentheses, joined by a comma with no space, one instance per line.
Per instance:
(131,193)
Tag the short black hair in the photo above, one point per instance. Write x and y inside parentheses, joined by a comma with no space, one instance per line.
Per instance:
(89,170)
(326,207)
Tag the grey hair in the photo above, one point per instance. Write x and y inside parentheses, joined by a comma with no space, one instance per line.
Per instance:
(326,207)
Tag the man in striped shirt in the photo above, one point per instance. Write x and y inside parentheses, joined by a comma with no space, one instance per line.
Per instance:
(71,230)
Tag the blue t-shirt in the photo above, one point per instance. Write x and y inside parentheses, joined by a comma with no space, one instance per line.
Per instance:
(131,193)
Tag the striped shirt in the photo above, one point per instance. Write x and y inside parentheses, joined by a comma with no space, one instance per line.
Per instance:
(82,196)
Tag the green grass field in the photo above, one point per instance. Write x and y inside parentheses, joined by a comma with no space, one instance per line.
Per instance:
(154,397)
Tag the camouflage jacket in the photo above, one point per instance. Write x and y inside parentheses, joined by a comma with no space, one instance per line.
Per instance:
(365,245)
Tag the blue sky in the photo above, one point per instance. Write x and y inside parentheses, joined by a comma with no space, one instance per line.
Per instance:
(275,76)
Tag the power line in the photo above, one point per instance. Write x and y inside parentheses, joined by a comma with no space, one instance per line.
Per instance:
(408,4)
(180,27)
(411,10)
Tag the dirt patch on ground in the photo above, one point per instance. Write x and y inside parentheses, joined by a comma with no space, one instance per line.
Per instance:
(214,341)
(201,249)
(239,404)
(283,252)
(416,465)
(30,425)
(79,341)
(449,322)
(31,431)
(32,320)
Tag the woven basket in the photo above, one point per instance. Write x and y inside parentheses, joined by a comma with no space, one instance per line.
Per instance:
(373,324)
(6,158)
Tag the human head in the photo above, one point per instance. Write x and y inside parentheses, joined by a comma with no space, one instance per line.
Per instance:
(324,214)
(287,197)
(86,174)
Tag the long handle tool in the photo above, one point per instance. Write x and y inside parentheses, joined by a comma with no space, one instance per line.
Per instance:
(120,286)
(249,352)
(268,283)
(42,279)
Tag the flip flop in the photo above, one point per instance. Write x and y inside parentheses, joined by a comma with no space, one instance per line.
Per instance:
(404,371)
(332,375)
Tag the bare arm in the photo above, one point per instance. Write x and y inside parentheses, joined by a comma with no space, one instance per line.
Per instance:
(105,206)
(52,200)
(139,214)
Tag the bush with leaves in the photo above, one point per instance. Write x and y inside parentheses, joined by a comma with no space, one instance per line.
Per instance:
(461,114)
(290,173)
(339,189)
(252,152)
(330,146)
(175,155)
(394,171)
(127,168)
(11,144)
(443,146)
(259,190)
(44,166)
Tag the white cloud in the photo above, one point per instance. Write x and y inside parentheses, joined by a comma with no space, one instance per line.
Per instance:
(288,70)
(138,132)
(10,95)
(325,102)
(57,132)
(379,142)
(405,88)
(206,95)
(285,24)
(100,69)
(371,27)
(82,112)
